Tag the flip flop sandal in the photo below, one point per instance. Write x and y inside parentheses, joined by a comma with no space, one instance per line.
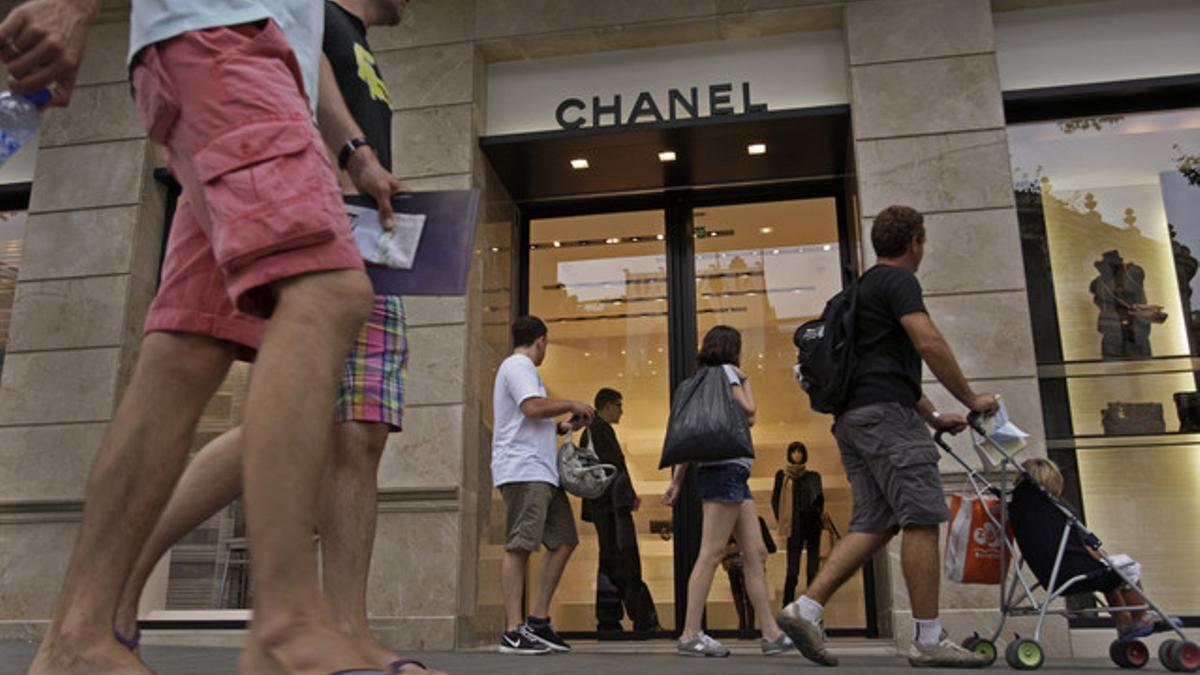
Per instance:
(131,643)
(398,666)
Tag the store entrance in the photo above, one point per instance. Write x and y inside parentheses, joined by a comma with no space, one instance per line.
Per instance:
(632,243)
(627,289)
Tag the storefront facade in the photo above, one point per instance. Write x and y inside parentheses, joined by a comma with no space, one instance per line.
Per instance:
(1050,143)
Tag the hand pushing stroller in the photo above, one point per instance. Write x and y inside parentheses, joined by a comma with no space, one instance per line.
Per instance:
(1058,571)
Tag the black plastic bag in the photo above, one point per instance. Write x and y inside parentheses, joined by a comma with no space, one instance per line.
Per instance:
(706,424)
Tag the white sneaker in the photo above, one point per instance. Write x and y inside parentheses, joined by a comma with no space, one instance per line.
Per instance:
(808,636)
(945,654)
(700,644)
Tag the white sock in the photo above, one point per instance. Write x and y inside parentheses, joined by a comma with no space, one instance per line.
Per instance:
(810,610)
(927,632)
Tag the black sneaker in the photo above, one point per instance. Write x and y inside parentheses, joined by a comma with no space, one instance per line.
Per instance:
(542,632)
(522,643)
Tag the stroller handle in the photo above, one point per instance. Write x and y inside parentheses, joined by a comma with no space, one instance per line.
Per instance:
(973,419)
(937,438)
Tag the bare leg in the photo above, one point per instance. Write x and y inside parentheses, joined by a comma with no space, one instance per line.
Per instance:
(719,521)
(211,481)
(922,573)
(286,438)
(512,582)
(847,556)
(347,526)
(142,455)
(553,564)
(754,558)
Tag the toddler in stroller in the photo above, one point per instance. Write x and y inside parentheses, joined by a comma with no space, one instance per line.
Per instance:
(1038,526)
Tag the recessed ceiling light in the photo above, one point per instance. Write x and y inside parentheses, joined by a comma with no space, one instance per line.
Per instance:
(827,247)
(581,163)
(766,230)
(557,244)
(666,156)
(753,149)
(712,234)
(658,237)
(612,240)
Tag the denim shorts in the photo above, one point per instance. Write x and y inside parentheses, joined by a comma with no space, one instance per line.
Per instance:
(723,483)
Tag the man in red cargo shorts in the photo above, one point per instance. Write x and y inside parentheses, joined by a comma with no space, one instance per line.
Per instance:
(260,228)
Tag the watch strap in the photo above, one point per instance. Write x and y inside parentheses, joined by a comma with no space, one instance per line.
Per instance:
(348,149)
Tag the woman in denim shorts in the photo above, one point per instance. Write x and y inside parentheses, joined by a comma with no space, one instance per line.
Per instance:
(728,509)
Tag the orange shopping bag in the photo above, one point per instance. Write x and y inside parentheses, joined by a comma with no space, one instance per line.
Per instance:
(973,541)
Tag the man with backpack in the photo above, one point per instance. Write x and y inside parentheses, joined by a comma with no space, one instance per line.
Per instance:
(884,332)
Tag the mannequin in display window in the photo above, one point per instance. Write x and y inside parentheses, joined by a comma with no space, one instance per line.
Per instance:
(1125,318)
(798,502)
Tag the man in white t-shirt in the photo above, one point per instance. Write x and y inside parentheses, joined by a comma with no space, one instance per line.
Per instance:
(525,469)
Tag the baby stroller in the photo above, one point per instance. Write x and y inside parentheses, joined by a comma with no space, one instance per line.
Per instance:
(1058,573)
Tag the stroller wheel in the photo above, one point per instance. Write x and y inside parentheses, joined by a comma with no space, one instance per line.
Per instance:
(981,646)
(1129,653)
(1164,653)
(1024,654)
(1186,657)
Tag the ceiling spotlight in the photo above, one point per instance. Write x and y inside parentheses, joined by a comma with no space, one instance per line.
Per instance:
(557,244)
(666,156)
(612,240)
(581,163)
(658,237)
(495,249)
(827,247)
(712,234)
(766,230)
(753,149)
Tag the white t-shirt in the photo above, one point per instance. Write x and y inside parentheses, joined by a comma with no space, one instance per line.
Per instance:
(735,381)
(523,448)
(302,21)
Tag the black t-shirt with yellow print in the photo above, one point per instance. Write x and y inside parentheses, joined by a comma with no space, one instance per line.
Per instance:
(358,78)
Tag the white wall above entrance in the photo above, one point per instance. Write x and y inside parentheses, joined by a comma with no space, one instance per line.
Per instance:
(797,70)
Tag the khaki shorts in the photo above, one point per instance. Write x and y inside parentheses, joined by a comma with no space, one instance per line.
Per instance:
(537,513)
(892,465)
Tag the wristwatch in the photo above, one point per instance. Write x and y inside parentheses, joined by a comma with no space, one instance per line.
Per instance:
(348,149)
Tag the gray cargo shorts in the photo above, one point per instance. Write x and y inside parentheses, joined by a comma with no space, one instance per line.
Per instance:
(892,465)
(537,513)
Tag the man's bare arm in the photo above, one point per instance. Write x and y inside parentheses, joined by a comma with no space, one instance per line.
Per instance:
(937,353)
(337,127)
(41,43)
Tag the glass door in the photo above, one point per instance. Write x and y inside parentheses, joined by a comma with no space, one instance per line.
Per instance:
(600,284)
(764,268)
(616,291)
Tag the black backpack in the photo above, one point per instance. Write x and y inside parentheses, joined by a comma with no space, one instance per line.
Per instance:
(826,352)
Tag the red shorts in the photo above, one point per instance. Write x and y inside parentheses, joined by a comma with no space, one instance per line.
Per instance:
(260,199)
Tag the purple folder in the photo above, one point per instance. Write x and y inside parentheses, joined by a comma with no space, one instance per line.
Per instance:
(443,260)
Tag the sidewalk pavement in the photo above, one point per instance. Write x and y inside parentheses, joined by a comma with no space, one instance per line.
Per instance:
(590,658)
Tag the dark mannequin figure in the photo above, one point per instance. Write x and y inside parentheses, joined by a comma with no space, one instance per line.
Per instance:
(798,502)
(1125,318)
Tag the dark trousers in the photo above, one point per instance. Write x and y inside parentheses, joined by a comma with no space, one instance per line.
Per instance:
(810,540)
(619,586)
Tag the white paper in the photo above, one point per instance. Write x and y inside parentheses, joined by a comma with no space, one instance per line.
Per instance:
(395,248)
(1002,434)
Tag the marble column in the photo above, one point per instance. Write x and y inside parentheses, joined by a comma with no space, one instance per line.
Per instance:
(929,132)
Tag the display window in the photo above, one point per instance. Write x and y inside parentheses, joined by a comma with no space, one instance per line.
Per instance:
(1109,210)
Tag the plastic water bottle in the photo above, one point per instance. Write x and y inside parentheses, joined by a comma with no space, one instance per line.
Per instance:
(20,115)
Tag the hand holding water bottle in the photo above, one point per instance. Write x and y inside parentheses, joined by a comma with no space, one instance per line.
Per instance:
(20,115)
(41,43)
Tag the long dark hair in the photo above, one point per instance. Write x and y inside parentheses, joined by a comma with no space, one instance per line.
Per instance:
(721,345)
